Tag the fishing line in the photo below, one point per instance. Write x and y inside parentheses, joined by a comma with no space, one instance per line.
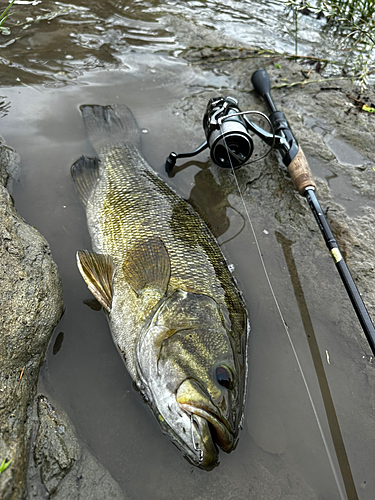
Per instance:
(330,459)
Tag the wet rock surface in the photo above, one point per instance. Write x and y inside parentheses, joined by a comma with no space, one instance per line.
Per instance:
(62,467)
(30,307)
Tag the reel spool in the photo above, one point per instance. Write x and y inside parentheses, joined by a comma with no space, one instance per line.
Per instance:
(229,141)
(227,131)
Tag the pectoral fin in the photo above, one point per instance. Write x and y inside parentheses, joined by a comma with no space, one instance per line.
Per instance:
(85,173)
(97,270)
(147,265)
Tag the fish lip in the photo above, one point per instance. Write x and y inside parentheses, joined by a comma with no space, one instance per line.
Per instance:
(194,400)
(206,453)
(223,437)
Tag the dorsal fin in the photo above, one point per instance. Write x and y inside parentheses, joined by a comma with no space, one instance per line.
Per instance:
(85,173)
(97,270)
(147,265)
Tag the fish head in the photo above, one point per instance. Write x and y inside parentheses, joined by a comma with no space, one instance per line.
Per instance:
(191,377)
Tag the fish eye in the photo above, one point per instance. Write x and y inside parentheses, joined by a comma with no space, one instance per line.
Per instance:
(224,377)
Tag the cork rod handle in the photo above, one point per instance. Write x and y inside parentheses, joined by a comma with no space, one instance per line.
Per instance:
(300,172)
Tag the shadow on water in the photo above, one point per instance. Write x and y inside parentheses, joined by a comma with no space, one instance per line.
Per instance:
(333,422)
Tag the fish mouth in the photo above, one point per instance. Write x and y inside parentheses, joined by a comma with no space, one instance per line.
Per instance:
(207,426)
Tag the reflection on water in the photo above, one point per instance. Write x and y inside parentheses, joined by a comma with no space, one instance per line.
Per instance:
(211,202)
(93,304)
(58,343)
(56,41)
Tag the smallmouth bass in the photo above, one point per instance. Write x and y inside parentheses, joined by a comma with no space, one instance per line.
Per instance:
(174,309)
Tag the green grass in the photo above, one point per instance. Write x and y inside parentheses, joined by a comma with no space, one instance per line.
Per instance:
(3,17)
(354,23)
(4,465)
(356,20)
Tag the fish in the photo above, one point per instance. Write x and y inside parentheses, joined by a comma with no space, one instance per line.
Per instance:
(176,314)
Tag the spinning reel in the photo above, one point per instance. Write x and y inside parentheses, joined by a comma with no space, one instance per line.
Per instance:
(228,131)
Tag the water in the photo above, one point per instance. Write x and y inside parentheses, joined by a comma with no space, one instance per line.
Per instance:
(126,52)
(101,34)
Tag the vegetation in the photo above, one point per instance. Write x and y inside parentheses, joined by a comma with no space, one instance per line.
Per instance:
(3,17)
(4,465)
(354,21)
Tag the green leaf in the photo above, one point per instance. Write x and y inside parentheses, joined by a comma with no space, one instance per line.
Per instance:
(277,65)
(4,465)
(369,109)
(3,16)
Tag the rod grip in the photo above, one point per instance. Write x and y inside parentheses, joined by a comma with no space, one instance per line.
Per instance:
(300,172)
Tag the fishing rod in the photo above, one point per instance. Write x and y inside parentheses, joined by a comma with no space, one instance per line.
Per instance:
(299,170)
(227,130)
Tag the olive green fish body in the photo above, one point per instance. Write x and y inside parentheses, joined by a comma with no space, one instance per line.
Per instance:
(175,312)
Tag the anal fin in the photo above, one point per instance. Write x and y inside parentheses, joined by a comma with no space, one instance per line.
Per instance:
(147,266)
(97,270)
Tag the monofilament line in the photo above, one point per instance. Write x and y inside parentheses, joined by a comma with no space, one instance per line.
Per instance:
(335,474)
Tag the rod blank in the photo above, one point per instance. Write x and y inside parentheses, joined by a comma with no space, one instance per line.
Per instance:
(350,286)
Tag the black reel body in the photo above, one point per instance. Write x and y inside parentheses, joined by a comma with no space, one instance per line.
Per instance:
(229,140)
(227,130)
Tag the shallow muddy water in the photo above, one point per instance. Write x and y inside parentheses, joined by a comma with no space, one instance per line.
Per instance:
(123,52)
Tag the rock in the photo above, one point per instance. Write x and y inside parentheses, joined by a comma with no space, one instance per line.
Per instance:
(63,468)
(30,307)
(56,449)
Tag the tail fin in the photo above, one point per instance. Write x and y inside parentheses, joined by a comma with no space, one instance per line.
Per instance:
(108,125)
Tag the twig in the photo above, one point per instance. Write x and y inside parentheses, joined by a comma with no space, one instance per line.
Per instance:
(21,375)
(310,81)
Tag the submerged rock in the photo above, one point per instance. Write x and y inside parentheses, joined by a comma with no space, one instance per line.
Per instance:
(30,307)
(63,468)
(56,449)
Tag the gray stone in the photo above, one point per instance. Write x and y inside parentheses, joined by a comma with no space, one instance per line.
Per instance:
(56,449)
(63,468)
